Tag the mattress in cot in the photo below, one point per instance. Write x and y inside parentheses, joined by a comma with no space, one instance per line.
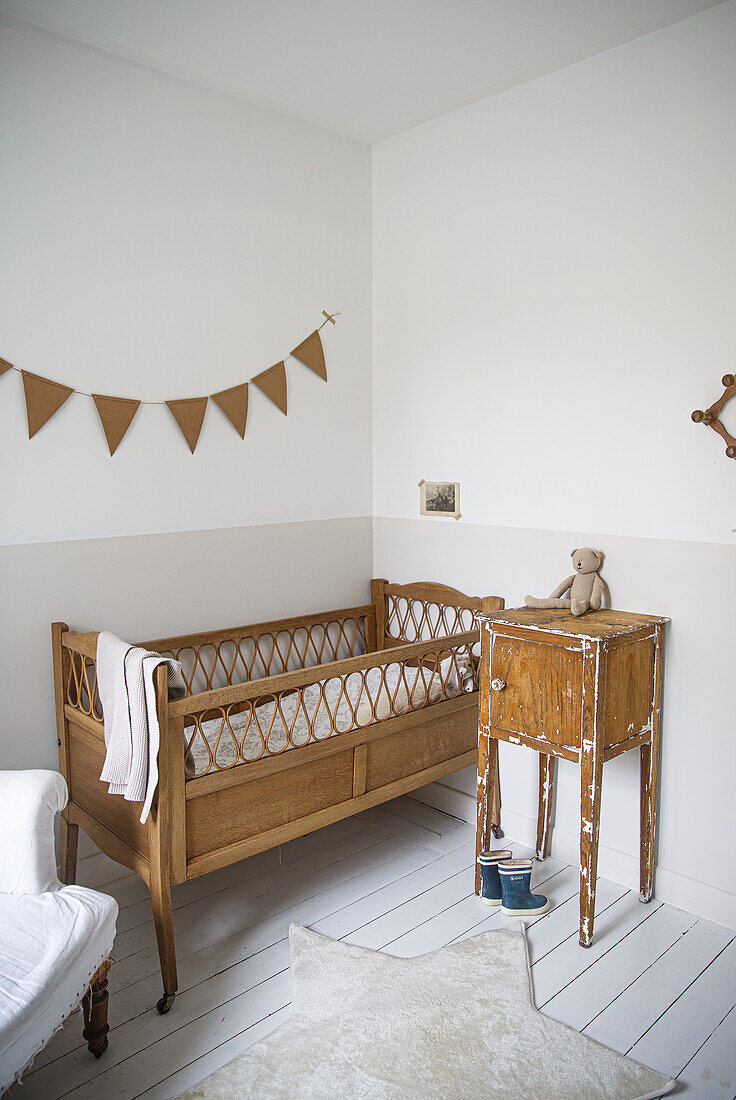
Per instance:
(321,710)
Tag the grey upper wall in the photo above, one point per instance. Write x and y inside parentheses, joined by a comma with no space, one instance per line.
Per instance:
(159,240)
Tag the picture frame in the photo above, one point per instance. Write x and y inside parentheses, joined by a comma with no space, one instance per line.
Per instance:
(440,498)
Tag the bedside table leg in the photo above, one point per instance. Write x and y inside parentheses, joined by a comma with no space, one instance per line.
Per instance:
(649,765)
(489,798)
(649,771)
(591,781)
(546,794)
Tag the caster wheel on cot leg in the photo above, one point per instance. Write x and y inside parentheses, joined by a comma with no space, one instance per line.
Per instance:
(164,1005)
(497,831)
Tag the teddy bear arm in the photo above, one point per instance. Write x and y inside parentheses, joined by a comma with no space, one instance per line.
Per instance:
(562,587)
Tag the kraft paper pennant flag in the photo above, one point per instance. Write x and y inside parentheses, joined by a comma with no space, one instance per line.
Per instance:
(273,384)
(234,404)
(189,415)
(116,414)
(5,365)
(310,353)
(43,399)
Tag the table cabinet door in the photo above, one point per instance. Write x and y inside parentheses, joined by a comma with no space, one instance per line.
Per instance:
(542,689)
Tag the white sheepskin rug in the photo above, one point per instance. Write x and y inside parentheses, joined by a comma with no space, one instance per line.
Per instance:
(453,1024)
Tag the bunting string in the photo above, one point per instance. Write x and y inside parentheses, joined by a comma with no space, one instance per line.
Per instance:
(44,397)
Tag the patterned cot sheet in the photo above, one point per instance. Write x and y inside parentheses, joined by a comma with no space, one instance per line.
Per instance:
(353,702)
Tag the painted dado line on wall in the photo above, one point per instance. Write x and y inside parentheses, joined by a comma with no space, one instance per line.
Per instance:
(160,240)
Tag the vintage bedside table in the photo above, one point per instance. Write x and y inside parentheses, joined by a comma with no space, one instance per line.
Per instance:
(585,689)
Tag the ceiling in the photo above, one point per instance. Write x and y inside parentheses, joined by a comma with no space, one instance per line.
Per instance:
(366,69)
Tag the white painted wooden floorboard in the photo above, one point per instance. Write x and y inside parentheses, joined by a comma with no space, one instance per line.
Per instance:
(656,981)
(451,923)
(199,926)
(302,859)
(643,1001)
(191,1074)
(427,816)
(557,968)
(388,927)
(562,923)
(128,1079)
(588,994)
(711,1072)
(211,979)
(263,871)
(669,1043)
(559,888)
(350,918)
(398,825)
(137,997)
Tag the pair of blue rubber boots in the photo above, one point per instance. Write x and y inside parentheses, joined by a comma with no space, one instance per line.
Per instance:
(506,881)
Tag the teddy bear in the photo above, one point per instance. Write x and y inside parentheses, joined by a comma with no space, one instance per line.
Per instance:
(586,587)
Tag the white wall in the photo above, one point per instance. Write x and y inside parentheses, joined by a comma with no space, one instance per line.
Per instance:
(160,240)
(554,279)
(554,294)
(554,287)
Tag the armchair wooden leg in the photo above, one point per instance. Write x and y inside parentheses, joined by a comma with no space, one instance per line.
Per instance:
(68,836)
(94,1007)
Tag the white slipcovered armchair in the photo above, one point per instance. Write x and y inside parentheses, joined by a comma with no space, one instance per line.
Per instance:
(55,940)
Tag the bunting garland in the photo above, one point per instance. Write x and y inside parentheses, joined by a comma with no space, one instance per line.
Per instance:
(273,384)
(116,415)
(234,404)
(311,354)
(44,398)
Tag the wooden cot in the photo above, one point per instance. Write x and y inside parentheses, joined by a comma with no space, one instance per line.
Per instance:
(238,805)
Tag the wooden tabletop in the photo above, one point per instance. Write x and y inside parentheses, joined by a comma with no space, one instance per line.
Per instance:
(606,623)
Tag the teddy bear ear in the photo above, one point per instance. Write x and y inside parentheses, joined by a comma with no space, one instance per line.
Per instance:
(573,553)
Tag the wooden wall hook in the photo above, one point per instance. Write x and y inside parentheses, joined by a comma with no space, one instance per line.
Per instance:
(711,416)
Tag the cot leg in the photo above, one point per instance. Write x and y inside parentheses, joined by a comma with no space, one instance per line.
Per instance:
(68,836)
(163,920)
(94,1008)
(546,795)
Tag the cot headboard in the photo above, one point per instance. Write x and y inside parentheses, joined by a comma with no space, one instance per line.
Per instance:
(422,610)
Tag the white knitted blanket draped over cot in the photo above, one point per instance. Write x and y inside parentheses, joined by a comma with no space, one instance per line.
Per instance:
(125,684)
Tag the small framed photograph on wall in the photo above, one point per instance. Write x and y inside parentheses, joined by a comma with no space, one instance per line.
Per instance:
(439,498)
